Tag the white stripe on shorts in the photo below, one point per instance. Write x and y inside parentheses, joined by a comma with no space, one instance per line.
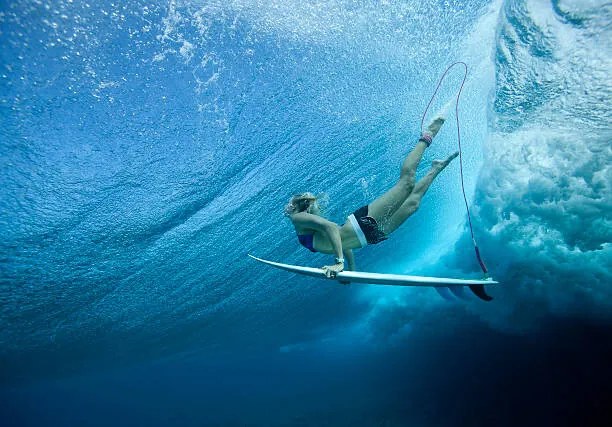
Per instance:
(358,231)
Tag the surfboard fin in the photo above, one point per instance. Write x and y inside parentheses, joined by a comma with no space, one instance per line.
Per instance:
(479,291)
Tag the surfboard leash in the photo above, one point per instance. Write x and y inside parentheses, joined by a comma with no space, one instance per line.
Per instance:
(477,289)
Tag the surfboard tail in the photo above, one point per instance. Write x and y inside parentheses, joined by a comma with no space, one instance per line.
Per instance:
(479,291)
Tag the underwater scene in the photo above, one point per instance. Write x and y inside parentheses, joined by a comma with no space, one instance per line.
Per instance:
(148,147)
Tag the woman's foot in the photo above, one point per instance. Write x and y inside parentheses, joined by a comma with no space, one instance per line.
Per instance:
(432,130)
(434,126)
(441,164)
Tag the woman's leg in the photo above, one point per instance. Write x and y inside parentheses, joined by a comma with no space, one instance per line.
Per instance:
(411,204)
(385,206)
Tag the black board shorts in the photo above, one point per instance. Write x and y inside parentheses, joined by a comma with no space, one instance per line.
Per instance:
(369,228)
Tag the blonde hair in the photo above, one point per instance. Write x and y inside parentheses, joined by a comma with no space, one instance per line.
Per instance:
(299,203)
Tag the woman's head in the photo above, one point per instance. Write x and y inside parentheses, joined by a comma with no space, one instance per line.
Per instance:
(305,202)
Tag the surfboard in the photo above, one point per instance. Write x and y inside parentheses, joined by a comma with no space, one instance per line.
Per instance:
(378,278)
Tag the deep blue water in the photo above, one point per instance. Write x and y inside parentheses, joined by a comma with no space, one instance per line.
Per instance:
(148,147)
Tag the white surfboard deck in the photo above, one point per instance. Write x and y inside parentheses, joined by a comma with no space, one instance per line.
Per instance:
(377,278)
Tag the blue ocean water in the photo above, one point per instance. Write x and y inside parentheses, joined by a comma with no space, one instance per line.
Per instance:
(147,147)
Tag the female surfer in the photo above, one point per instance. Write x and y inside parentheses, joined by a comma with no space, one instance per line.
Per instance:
(369,224)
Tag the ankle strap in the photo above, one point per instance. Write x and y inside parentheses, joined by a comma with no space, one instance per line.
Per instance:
(426,138)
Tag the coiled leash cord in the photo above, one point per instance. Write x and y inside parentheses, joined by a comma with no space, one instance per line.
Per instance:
(477,289)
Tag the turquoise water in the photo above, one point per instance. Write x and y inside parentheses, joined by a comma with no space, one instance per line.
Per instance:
(147,147)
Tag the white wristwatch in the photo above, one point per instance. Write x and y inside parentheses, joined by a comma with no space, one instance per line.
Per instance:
(339,260)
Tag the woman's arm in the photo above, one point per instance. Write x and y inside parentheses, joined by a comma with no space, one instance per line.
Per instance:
(330,229)
(350,259)
(333,233)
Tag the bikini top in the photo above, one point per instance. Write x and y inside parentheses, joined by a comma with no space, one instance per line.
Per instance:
(307,240)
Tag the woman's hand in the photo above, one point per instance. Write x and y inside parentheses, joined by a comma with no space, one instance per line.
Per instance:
(332,270)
